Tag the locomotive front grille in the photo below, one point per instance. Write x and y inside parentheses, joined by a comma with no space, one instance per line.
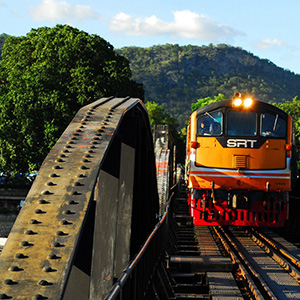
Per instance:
(240,161)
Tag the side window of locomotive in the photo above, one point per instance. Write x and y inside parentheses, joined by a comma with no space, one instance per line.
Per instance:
(241,123)
(210,124)
(273,125)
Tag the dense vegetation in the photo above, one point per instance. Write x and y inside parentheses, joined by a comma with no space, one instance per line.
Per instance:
(45,77)
(177,76)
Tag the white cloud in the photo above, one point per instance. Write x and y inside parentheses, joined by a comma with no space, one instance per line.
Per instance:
(269,44)
(186,24)
(55,10)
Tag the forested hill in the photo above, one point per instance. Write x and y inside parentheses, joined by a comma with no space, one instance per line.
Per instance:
(176,76)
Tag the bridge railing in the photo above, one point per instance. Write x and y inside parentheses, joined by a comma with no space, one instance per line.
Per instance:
(138,279)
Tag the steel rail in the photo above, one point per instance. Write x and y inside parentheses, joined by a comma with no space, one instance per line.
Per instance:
(236,260)
(257,279)
(285,259)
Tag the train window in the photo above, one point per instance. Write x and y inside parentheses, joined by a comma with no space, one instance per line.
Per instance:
(272,125)
(210,124)
(241,123)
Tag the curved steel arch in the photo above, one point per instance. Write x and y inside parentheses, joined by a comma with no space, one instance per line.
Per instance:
(90,208)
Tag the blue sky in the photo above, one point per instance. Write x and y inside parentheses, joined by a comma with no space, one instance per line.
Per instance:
(267,28)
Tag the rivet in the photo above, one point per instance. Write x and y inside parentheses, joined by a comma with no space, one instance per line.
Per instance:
(65,222)
(69,202)
(85,160)
(48,269)
(78,130)
(75,193)
(74,138)
(57,167)
(96,138)
(67,212)
(77,183)
(83,122)
(104,123)
(60,159)
(45,192)
(53,175)
(95,143)
(39,211)
(50,183)
(90,151)
(83,167)
(57,244)
(4,296)
(39,297)
(34,221)
(9,282)
(75,133)
(92,147)
(100,130)
(25,244)
(14,269)
(60,233)
(88,156)
(53,256)
(62,155)
(29,232)
(44,282)
(66,151)
(42,201)
(71,142)
(68,146)
(20,256)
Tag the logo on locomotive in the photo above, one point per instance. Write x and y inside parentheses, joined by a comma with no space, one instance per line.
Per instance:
(240,143)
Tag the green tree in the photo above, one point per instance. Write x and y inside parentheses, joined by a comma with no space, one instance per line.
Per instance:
(205,101)
(293,109)
(45,77)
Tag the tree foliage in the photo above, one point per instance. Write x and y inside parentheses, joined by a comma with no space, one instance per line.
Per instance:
(293,109)
(205,101)
(45,77)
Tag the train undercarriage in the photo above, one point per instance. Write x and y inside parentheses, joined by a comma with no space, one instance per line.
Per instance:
(239,207)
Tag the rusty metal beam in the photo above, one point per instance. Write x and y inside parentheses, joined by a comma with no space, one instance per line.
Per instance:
(83,207)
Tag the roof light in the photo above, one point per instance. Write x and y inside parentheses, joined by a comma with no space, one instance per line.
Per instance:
(248,102)
(237,101)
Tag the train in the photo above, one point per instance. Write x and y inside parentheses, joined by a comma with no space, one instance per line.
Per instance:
(240,163)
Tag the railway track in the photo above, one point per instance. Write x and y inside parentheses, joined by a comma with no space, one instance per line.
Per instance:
(214,262)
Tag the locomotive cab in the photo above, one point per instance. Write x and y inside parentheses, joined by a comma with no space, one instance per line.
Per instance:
(239,154)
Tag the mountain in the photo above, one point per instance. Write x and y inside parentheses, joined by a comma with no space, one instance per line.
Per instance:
(3,37)
(176,76)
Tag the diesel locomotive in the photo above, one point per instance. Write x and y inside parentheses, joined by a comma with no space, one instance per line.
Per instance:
(239,163)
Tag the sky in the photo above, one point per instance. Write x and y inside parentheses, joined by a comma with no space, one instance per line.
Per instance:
(266,28)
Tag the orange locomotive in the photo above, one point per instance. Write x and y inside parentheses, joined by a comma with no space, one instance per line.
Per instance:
(239,163)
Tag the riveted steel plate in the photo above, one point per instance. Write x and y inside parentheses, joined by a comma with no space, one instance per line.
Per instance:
(38,255)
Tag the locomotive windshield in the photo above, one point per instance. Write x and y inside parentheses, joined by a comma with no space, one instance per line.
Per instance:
(241,123)
(272,125)
(210,124)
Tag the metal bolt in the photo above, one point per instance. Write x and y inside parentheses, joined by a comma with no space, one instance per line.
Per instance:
(57,244)
(53,256)
(9,282)
(25,244)
(67,212)
(14,269)
(45,192)
(29,232)
(42,201)
(20,256)
(44,282)
(34,221)
(39,211)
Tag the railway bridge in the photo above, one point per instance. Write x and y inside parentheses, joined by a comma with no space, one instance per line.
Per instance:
(95,226)
(89,210)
